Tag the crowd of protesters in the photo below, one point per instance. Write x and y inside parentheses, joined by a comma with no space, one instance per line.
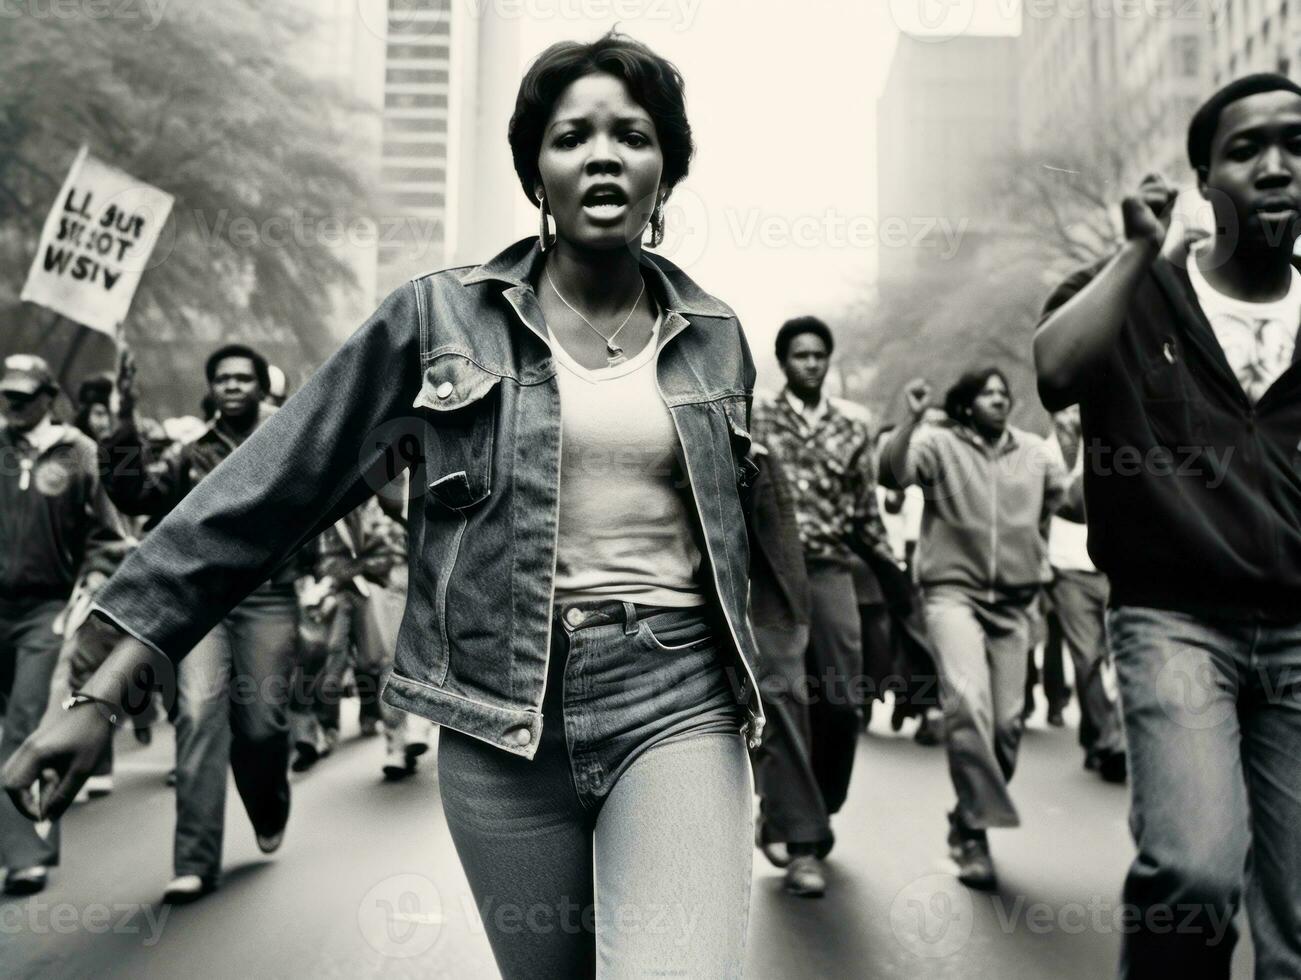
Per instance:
(929,565)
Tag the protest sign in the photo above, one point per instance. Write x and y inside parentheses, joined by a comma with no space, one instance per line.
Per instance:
(96,244)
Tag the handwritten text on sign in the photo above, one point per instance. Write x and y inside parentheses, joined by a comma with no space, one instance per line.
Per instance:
(96,244)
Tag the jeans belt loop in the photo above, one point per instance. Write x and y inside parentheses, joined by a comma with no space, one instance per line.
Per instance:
(629,619)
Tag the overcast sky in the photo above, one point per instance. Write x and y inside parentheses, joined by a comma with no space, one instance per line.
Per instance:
(778,216)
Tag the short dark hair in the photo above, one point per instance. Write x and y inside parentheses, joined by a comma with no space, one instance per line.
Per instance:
(802,324)
(96,390)
(1206,120)
(652,81)
(239,350)
(959,399)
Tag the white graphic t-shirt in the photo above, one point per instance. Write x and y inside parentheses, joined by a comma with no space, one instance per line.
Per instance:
(1258,339)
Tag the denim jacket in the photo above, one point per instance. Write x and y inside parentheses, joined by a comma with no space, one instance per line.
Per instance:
(453,379)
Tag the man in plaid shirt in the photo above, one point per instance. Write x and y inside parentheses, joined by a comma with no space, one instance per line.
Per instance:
(826,457)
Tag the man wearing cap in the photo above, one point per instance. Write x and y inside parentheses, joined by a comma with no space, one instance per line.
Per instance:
(1186,370)
(232,690)
(56,526)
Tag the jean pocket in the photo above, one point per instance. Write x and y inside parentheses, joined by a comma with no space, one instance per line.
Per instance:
(676,632)
(461,400)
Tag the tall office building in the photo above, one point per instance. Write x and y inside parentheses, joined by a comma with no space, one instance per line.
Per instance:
(1254,35)
(1089,73)
(947,113)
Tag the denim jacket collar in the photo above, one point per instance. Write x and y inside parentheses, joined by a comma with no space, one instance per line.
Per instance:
(680,293)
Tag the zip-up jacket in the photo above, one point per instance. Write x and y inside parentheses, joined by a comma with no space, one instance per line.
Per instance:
(1193,493)
(55,519)
(985,507)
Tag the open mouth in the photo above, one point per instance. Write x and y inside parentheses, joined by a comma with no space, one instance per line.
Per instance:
(1276,208)
(605,201)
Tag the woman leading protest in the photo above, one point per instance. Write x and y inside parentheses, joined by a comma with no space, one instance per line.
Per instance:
(573,414)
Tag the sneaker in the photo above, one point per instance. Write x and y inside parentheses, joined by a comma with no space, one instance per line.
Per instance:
(144,735)
(26,881)
(97,786)
(975,866)
(805,877)
(184,889)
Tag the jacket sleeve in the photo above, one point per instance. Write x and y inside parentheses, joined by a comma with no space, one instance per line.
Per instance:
(867,529)
(312,462)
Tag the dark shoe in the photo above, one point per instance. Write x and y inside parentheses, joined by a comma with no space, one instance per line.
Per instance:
(305,756)
(184,889)
(1028,708)
(26,881)
(398,765)
(1113,767)
(805,877)
(144,735)
(975,866)
(1055,718)
(270,843)
(171,776)
(928,731)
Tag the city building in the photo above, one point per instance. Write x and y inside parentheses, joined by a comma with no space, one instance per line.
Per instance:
(946,116)
(1253,35)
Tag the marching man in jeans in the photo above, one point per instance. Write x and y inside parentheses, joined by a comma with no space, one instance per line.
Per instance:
(1186,372)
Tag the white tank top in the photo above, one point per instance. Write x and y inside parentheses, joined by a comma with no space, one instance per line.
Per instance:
(624,526)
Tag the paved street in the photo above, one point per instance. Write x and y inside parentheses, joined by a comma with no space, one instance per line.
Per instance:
(368,884)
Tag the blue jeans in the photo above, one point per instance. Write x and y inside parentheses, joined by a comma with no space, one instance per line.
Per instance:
(1213,719)
(625,844)
(232,692)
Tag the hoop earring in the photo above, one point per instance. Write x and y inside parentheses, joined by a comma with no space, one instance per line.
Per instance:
(657,225)
(545,239)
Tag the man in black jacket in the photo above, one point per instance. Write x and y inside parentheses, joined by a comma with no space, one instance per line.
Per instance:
(232,690)
(56,527)
(1189,385)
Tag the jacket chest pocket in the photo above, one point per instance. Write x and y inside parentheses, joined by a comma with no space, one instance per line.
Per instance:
(1174,411)
(462,400)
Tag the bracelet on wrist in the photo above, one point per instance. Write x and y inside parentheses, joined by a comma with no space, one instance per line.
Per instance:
(72,701)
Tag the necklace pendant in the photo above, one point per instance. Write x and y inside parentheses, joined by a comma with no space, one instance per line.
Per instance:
(615,355)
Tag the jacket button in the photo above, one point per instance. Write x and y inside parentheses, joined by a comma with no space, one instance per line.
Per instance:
(574,616)
(445,390)
(520,736)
